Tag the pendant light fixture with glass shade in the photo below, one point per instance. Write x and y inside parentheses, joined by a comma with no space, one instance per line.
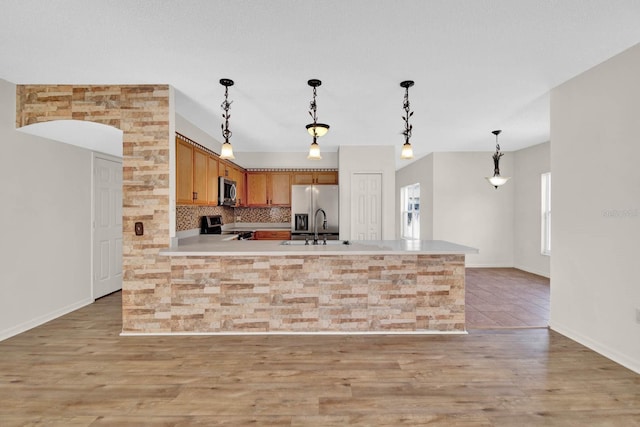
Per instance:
(227,150)
(496,180)
(315,129)
(407,150)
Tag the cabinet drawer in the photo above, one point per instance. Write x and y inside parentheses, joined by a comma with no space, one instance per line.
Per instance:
(272,235)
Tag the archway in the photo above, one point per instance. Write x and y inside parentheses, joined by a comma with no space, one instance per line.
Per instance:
(143,113)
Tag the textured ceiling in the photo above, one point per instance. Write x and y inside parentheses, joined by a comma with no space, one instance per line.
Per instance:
(478,65)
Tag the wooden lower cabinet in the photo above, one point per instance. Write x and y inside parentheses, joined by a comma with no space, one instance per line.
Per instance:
(272,235)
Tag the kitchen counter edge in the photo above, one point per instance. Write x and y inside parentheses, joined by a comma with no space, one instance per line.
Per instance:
(202,246)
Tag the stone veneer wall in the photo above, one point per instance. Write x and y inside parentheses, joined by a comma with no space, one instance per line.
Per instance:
(143,114)
(347,293)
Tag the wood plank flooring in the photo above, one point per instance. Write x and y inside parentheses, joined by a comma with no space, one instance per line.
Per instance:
(78,371)
(506,298)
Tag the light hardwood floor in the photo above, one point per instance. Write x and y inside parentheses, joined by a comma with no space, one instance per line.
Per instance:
(78,371)
(506,298)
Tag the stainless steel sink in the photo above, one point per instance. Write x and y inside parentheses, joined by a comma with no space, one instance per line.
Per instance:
(320,243)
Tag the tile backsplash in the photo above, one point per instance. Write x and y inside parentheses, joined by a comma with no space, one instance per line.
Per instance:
(267,215)
(188,216)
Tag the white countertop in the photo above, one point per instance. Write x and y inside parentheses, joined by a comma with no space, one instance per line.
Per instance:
(212,245)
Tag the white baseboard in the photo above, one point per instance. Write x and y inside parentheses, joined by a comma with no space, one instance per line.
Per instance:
(497,265)
(609,353)
(30,324)
(318,333)
(533,271)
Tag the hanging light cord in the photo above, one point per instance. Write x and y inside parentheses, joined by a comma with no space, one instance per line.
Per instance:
(312,112)
(496,156)
(226,133)
(407,127)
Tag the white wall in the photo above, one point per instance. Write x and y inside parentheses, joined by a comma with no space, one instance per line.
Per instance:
(368,159)
(595,233)
(252,160)
(459,205)
(45,225)
(291,160)
(530,164)
(469,211)
(191,131)
(418,172)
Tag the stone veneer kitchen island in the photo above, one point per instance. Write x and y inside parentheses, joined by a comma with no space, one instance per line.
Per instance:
(265,287)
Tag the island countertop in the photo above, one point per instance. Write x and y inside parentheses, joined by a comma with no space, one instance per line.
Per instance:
(206,245)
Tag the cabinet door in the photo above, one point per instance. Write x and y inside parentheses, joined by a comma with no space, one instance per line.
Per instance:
(224,168)
(200,161)
(212,181)
(257,189)
(184,172)
(302,178)
(329,177)
(272,235)
(280,189)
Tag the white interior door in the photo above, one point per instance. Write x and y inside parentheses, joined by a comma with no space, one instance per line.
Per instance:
(366,206)
(107,226)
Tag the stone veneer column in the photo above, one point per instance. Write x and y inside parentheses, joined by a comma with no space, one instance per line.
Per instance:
(142,113)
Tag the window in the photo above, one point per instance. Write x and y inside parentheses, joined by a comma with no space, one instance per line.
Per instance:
(546,213)
(410,210)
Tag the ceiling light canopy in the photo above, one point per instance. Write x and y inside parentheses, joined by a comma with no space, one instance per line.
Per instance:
(315,129)
(496,180)
(227,150)
(407,150)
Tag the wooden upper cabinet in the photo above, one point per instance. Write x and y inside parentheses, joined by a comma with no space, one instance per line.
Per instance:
(268,189)
(197,173)
(200,162)
(302,178)
(314,177)
(212,180)
(279,188)
(184,172)
(224,168)
(238,175)
(326,177)
(257,189)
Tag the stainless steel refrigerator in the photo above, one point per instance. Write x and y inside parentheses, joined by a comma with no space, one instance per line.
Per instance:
(307,201)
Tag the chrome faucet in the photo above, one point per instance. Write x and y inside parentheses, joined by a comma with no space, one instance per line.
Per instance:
(315,224)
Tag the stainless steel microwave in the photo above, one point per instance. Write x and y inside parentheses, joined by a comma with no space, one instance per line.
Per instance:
(226,192)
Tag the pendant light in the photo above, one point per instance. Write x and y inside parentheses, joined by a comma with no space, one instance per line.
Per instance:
(315,129)
(407,150)
(227,150)
(496,180)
